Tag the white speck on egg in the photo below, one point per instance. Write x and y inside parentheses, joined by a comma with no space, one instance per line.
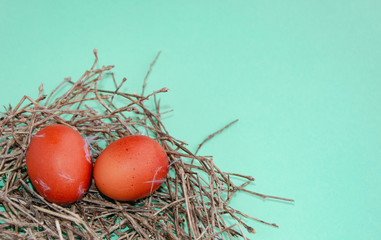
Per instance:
(153,180)
(39,135)
(66,177)
(43,185)
(87,152)
(156,181)
(81,190)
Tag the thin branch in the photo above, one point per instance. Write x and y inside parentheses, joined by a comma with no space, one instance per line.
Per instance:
(214,134)
(148,72)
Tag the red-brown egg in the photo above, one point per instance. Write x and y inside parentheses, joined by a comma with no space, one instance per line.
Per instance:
(59,164)
(131,168)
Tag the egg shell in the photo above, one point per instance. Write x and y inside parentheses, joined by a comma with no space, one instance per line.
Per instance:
(131,168)
(59,164)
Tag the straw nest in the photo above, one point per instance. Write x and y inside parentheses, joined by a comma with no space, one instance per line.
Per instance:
(193,202)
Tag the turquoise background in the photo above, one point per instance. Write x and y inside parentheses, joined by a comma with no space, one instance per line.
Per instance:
(303,77)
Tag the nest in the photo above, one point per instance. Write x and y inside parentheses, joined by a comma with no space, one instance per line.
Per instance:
(193,202)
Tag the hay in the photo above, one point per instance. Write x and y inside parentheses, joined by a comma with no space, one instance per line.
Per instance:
(193,202)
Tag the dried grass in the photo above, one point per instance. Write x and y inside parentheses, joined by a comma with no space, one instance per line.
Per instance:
(193,202)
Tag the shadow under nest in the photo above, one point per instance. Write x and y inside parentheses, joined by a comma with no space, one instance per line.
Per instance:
(193,202)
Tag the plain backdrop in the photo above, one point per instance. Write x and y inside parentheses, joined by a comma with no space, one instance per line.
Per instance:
(302,77)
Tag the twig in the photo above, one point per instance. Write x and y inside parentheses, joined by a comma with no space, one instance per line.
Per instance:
(214,134)
(148,72)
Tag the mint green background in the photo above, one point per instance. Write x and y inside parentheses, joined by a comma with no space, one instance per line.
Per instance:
(303,77)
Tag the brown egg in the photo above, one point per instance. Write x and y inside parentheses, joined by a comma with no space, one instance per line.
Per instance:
(59,164)
(130,168)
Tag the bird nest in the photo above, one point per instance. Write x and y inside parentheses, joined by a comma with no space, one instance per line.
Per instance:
(192,203)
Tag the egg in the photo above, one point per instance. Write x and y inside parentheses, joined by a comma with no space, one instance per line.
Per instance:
(59,164)
(131,168)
